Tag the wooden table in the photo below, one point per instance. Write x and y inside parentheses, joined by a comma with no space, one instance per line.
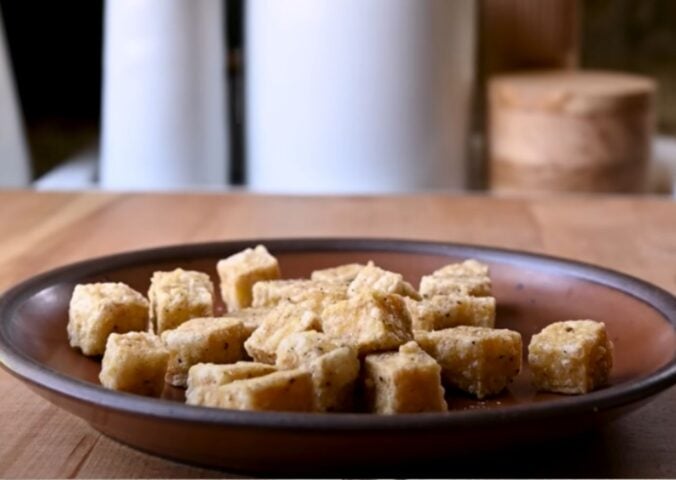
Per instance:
(43,230)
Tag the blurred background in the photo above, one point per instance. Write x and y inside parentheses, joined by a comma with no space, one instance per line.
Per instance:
(328,96)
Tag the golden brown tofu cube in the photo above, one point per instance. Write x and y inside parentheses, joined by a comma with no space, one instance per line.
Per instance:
(573,356)
(251,318)
(468,268)
(406,381)
(269,294)
(431,286)
(239,273)
(374,279)
(334,367)
(177,296)
(210,374)
(288,390)
(446,311)
(478,360)
(134,362)
(281,321)
(98,309)
(202,340)
(340,274)
(371,322)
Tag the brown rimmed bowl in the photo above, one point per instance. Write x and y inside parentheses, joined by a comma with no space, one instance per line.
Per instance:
(532,291)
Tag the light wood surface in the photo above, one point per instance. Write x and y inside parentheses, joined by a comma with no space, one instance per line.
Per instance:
(41,231)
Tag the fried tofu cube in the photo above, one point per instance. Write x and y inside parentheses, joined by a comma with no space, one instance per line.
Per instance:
(210,374)
(251,318)
(406,381)
(446,311)
(177,296)
(269,294)
(340,274)
(334,367)
(98,309)
(281,321)
(468,268)
(288,390)
(134,362)
(239,273)
(572,357)
(374,279)
(431,286)
(202,340)
(371,322)
(478,360)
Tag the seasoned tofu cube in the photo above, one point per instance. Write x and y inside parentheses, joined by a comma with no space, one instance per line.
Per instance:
(210,374)
(98,309)
(431,286)
(573,356)
(239,273)
(288,390)
(374,279)
(478,360)
(468,268)
(251,318)
(271,293)
(371,322)
(281,321)
(134,362)
(406,381)
(446,311)
(334,367)
(202,340)
(177,296)
(340,274)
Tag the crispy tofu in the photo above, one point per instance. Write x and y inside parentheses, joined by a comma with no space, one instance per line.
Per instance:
(468,268)
(467,278)
(478,360)
(446,311)
(574,356)
(210,374)
(371,322)
(134,362)
(406,381)
(281,321)
(251,318)
(98,309)
(202,340)
(334,367)
(269,294)
(340,274)
(374,279)
(240,272)
(288,390)
(177,296)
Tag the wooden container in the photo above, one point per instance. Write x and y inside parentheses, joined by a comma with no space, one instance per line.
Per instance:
(570,131)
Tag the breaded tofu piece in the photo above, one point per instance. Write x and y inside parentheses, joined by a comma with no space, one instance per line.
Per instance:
(573,356)
(478,360)
(372,322)
(340,274)
(177,296)
(406,381)
(98,309)
(271,293)
(239,273)
(334,367)
(374,279)
(287,390)
(466,278)
(134,362)
(202,340)
(467,268)
(251,318)
(446,311)
(281,321)
(211,374)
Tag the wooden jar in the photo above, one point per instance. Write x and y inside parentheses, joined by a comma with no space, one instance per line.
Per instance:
(577,131)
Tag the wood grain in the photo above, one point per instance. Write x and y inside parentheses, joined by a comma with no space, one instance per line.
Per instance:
(43,230)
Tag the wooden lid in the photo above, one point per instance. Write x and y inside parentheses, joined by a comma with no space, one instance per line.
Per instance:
(572,92)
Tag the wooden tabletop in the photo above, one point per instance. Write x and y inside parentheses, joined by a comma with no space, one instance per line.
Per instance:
(43,230)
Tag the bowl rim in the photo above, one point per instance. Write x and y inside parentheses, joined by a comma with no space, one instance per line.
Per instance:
(39,375)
